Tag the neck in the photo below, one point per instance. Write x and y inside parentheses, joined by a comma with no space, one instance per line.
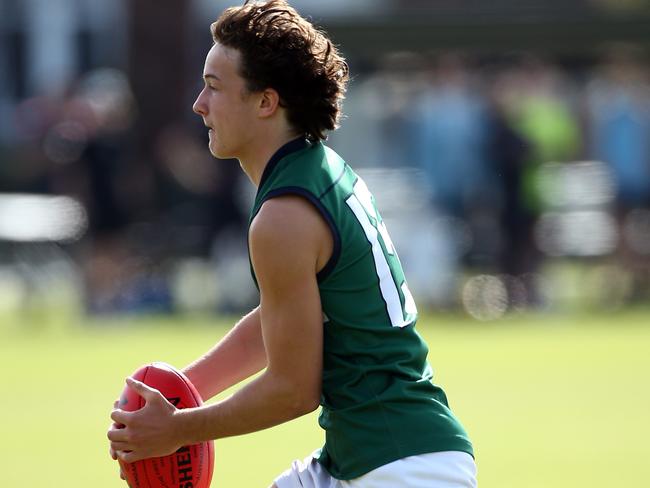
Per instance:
(257,156)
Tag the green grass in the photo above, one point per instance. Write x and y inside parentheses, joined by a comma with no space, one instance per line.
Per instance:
(548,401)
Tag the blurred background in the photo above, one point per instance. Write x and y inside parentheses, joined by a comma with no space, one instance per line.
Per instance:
(507,143)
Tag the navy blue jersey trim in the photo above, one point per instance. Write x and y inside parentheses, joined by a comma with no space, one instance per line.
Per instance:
(336,252)
(290,147)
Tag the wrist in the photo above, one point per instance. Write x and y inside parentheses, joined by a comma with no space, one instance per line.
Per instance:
(187,426)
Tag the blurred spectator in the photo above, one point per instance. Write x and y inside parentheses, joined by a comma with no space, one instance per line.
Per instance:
(618,104)
(508,154)
(453,126)
(539,106)
(91,153)
(618,122)
(450,123)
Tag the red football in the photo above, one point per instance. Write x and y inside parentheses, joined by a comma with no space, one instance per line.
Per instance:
(190,466)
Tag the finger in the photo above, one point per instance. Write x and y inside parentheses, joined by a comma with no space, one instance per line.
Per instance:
(129,457)
(120,446)
(121,419)
(117,435)
(145,391)
(113,454)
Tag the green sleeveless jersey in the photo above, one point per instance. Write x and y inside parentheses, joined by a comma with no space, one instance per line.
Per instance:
(378,401)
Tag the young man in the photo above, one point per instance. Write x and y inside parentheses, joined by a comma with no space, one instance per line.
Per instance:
(335,323)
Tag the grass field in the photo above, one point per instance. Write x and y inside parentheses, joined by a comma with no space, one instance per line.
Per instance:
(549,401)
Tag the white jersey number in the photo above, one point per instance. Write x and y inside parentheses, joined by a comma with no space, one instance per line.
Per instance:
(360,202)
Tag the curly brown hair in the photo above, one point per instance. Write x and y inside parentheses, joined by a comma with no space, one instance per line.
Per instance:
(279,49)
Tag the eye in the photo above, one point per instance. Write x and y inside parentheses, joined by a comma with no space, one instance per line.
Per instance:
(208,86)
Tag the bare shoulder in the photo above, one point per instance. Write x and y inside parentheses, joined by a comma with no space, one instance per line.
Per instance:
(289,227)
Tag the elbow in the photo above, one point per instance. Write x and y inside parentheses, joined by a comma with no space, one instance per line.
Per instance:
(310,404)
(302,400)
(295,396)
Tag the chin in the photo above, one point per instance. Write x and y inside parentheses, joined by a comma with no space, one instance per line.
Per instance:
(215,150)
(222,152)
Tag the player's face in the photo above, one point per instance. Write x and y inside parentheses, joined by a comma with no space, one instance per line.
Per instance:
(224,104)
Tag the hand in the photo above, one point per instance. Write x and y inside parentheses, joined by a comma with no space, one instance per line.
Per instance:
(149,432)
(111,450)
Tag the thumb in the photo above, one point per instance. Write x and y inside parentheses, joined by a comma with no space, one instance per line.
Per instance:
(145,391)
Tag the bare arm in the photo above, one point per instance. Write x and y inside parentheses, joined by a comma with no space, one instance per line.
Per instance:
(234,358)
(289,243)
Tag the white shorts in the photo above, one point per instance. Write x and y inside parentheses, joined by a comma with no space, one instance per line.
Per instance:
(448,469)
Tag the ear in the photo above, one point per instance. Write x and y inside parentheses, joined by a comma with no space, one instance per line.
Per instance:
(268,103)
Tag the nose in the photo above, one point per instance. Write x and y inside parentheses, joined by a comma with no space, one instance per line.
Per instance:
(199,106)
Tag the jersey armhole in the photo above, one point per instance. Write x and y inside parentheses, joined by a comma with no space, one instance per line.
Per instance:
(313,199)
